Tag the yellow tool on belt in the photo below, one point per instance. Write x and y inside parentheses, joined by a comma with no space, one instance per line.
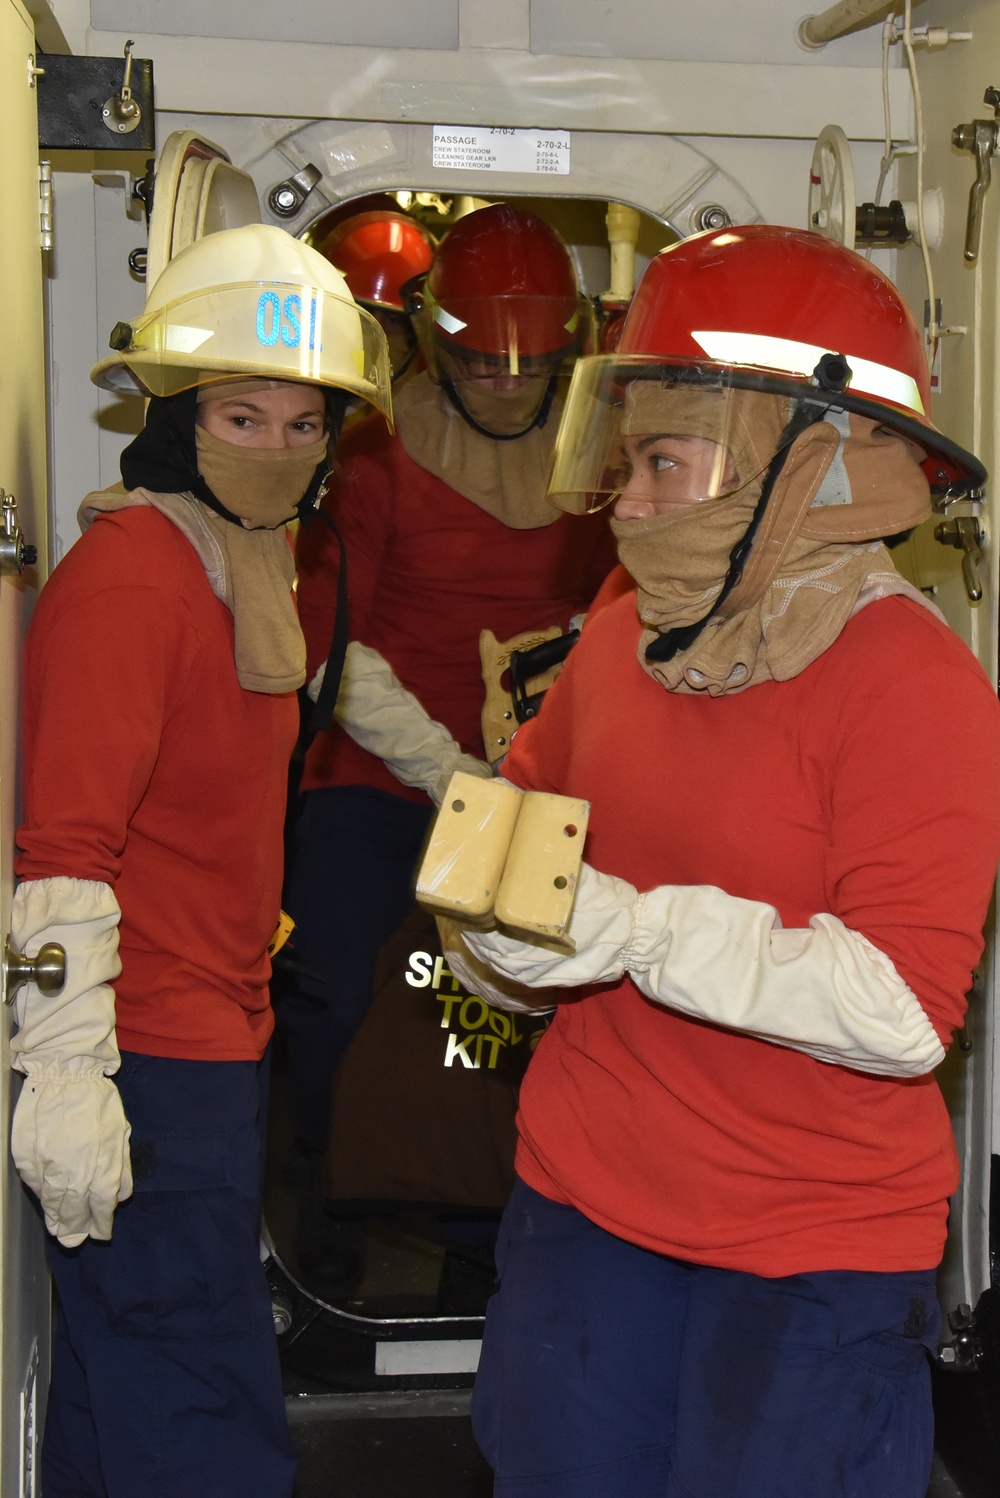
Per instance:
(498,720)
(283,931)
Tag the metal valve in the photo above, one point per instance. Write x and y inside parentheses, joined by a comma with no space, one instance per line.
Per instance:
(982,138)
(965,1350)
(121,113)
(47,970)
(965,533)
(15,553)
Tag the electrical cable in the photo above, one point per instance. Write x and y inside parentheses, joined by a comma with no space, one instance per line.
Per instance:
(889,154)
(911,63)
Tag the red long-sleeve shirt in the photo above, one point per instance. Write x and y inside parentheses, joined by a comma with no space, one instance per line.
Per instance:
(867,787)
(427,570)
(148,767)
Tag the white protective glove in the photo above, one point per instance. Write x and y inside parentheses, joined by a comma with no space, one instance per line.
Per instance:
(383,717)
(70,1136)
(825,991)
(478,978)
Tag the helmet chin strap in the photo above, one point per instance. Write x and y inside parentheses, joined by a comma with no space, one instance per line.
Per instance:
(831,375)
(336,410)
(539,419)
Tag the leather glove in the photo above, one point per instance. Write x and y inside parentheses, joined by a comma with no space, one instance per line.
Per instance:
(825,990)
(70,1136)
(383,717)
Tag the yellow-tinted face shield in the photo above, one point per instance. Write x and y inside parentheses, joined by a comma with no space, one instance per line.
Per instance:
(682,436)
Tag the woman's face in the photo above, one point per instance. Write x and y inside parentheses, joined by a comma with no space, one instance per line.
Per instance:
(664,473)
(289,415)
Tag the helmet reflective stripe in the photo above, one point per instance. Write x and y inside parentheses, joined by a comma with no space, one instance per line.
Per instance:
(445,319)
(791,357)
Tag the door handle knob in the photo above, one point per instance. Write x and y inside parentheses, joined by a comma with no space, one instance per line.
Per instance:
(47,970)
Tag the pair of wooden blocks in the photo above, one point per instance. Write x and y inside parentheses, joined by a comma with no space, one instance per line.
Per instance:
(500,856)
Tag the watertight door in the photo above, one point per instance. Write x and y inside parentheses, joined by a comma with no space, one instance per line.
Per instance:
(198,191)
(967,407)
(23,1273)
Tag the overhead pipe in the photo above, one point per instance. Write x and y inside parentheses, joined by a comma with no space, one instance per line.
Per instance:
(815,31)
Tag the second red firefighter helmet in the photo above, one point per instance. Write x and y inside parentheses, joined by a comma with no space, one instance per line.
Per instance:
(377,253)
(502,284)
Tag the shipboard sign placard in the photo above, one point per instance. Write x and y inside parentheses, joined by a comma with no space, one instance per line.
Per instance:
(482,148)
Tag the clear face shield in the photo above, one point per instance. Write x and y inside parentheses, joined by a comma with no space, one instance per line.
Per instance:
(660,438)
(500,357)
(267,329)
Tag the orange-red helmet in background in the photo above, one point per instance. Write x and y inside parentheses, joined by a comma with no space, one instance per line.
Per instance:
(377,253)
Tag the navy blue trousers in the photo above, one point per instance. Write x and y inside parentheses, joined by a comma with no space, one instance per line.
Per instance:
(165,1378)
(612,1372)
(350,886)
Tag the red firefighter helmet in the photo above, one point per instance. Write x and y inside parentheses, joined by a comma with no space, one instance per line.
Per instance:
(377,253)
(759,308)
(767,303)
(502,284)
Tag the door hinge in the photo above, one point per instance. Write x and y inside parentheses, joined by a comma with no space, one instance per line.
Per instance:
(29,1428)
(45,204)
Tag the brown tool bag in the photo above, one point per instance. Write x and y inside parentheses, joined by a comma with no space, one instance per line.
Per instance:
(425,1099)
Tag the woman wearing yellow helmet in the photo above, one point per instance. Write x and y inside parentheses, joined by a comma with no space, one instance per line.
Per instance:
(160,714)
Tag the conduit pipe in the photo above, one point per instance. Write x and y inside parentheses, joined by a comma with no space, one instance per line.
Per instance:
(815,31)
(623,235)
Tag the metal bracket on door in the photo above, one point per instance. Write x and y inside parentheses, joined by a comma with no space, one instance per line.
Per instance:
(15,552)
(967,534)
(286,198)
(74,93)
(982,138)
